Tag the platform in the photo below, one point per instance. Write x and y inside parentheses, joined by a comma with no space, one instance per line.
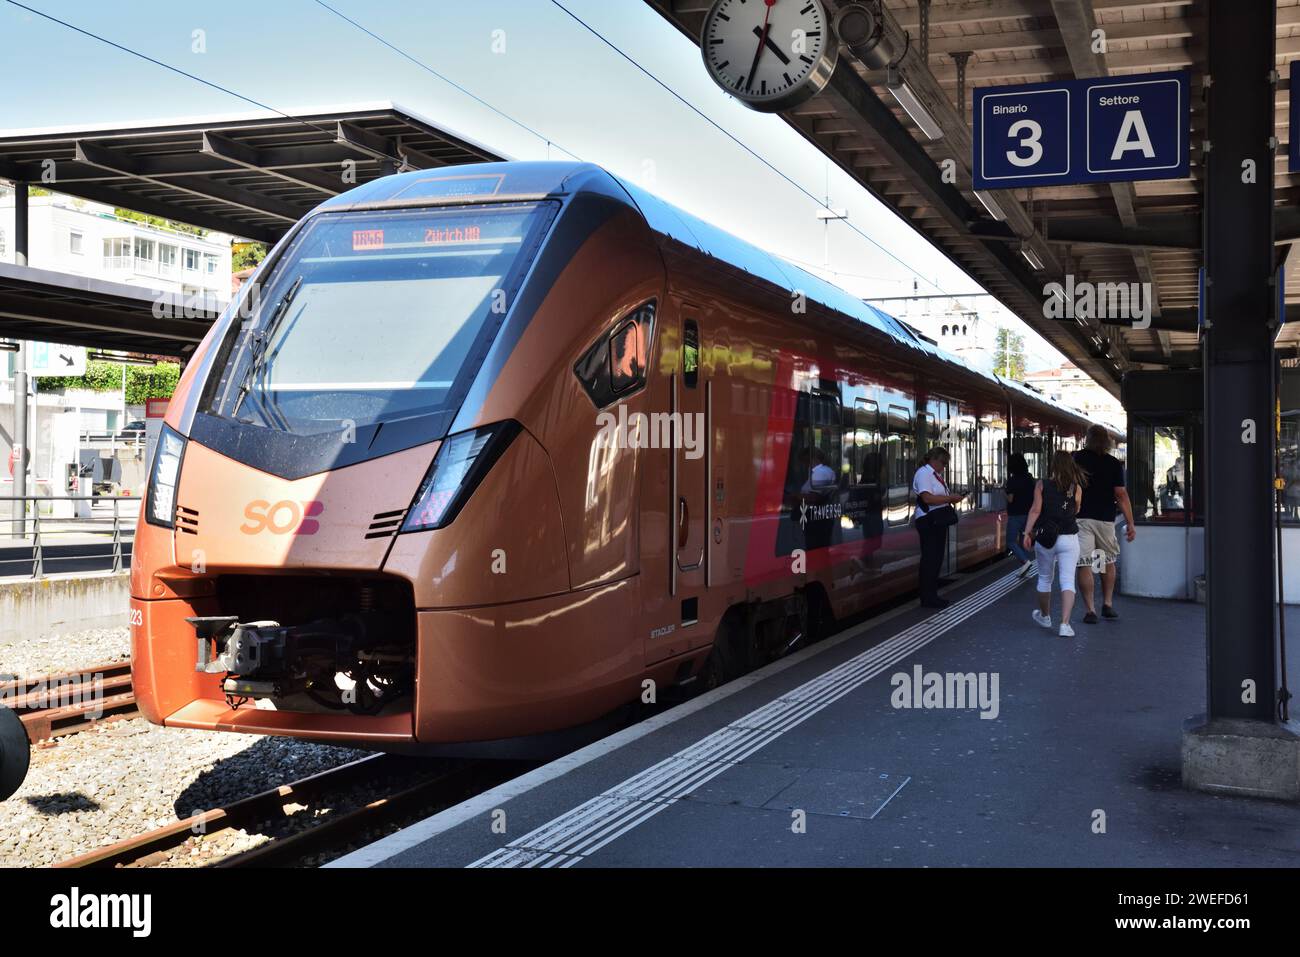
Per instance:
(1080,764)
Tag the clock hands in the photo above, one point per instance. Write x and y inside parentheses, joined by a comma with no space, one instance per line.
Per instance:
(762,40)
(767,40)
(790,75)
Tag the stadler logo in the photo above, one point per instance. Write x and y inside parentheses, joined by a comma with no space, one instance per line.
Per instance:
(76,910)
(283,518)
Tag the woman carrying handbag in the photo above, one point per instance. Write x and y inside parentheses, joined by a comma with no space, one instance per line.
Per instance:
(1053,531)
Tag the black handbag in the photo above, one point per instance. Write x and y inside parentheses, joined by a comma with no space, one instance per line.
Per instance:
(1048,527)
(1046,532)
(942,516)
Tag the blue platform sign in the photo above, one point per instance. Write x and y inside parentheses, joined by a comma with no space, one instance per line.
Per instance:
(1098,130)
(1293,145)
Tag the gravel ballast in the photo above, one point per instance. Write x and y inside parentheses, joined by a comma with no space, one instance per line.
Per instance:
(121,779)
(36,655)
(101,786)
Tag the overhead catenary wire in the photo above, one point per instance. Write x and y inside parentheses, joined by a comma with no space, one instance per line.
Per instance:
(735,139)
(428,69)
(177,70)
(551,142)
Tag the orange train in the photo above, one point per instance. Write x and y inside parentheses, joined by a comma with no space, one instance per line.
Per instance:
(482,449)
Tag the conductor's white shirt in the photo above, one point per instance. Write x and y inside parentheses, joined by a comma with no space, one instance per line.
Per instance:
(926,480)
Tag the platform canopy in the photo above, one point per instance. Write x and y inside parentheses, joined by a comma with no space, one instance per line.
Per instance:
(1101,233)
(251,175)
(45,306)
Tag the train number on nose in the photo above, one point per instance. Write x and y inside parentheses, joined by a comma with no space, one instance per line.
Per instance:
(282,518)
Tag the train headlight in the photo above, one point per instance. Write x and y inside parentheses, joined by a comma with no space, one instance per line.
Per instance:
(160,499)
(462,461)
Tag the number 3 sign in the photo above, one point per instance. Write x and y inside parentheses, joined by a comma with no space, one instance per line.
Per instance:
(1081,131)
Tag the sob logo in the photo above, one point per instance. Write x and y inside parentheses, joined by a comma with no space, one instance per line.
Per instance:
(283,518)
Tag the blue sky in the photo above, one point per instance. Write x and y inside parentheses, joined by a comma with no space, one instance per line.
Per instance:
(572,92)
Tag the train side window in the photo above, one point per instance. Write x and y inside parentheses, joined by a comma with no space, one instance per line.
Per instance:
(970,461)
(690,353)
(862,443)
(615,364)
(825,429)
(815,447)
(899,453)
(626,362)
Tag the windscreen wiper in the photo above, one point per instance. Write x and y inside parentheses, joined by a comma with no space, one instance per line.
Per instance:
(257,346)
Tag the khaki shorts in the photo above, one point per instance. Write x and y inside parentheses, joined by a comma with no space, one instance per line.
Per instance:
(1096,535)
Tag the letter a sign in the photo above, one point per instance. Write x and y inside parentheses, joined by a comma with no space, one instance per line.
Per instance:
(1098,130)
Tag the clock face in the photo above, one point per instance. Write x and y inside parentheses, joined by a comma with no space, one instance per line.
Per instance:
(771,54)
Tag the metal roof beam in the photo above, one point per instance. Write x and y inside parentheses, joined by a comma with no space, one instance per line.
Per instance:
(384,149)
(79,316)
(206,188)
(275,159)
(957,139)
(1017,40)
(855,100)
(252,158)
(977,11)
(1076,22)
(142,204)
(1163,231)
(82,310)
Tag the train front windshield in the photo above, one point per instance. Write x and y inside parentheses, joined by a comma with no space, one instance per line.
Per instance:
(374,316)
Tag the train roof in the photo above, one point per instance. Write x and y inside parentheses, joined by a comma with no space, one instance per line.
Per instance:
(513,181)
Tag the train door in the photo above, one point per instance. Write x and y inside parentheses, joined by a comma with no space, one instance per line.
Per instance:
(944,430)
(692,450)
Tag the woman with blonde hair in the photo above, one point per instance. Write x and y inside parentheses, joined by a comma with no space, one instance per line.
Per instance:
(1053,530)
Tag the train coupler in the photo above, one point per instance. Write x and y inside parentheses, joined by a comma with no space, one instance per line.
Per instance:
(239,649)
(236,687)
(269,660)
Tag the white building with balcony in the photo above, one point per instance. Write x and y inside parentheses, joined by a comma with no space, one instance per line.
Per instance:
(85,238)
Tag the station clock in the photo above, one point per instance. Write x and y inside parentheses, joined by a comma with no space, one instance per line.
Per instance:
(769,54)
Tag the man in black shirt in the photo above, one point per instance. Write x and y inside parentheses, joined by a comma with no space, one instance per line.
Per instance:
(1097,542)
(1019,489)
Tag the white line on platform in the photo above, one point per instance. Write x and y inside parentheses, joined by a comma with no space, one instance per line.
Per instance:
(579,833)
(906,781)
(416,834)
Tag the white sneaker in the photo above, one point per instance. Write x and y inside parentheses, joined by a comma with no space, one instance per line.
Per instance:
(1066,631)
(1044,620)
(1026,568)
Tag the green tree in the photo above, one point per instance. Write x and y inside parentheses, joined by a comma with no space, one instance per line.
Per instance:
(244,255)
(159,221)
(1009,359)
(142,382)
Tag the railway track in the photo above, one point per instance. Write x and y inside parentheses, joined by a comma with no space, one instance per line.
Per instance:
(64,703)
(418,787)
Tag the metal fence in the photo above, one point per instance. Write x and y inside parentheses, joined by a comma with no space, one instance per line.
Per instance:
(131,439)
(49,543)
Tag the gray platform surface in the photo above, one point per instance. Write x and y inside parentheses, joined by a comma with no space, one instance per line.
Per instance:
(1080,767)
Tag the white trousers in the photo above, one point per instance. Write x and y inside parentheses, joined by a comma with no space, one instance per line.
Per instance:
(1065,553)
